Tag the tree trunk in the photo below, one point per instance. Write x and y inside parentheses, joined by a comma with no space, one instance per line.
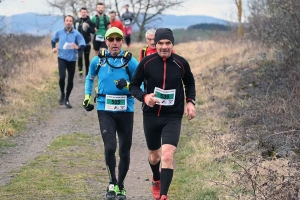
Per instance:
(240,13)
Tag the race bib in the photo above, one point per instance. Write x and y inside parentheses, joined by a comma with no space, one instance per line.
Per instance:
(99,38)
(127,22)
(116,102)
(68,45)
(165,97)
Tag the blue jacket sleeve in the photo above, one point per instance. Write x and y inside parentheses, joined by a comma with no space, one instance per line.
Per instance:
(89,80)
(133,63)
(133,69)
(53,44)
(55,39)
(136,83)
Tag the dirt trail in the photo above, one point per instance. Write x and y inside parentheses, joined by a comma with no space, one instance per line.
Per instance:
(65,121)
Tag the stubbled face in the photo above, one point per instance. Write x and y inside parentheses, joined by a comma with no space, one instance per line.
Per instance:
(164,48)
(114,47)
(100,9)
(126,7)
(112,16)
(83,13)
(150,41)
(68,22)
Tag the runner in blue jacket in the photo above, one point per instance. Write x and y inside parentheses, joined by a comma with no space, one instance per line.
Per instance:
(115,106)
(70,41)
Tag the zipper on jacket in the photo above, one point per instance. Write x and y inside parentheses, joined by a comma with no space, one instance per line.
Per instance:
(164,82)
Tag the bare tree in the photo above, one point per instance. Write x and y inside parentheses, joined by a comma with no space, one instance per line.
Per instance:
(147,11)
(239,6)
(72,6)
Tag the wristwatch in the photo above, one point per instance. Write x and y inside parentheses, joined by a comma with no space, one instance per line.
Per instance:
(192,101)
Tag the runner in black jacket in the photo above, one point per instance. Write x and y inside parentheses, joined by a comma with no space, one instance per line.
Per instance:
(85,26)
(164,74)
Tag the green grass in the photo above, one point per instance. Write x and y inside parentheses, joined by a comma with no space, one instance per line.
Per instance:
(195,168)
(69,169)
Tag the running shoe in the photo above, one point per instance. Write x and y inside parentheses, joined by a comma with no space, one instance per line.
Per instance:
(61,100)
(112,191)
(156,189)
(122,194)
(67,103)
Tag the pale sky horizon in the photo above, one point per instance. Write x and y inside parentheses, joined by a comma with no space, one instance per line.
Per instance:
(223,9)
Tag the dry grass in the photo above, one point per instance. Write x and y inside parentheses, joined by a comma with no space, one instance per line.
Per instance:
(26,91)
(241,97)
(232,96)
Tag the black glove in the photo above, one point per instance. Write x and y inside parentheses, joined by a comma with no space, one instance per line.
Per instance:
(120,84)
(90,107)
(86,103)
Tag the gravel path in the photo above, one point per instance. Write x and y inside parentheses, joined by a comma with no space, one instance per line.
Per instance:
(65,121)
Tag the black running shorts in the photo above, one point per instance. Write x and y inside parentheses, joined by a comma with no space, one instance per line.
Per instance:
(97,45)
(161,130)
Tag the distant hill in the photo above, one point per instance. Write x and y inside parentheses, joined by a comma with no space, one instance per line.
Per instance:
(33,23)
(212,27)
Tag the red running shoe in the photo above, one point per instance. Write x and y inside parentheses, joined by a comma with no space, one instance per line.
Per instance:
(156,189)
(164,197)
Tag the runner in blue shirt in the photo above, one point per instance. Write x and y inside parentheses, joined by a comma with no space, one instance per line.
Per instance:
(70,41)
(115,106)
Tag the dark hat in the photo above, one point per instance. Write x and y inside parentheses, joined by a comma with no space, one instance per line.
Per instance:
(163,33)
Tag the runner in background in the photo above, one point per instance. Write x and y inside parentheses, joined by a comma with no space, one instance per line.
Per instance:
(70,41)
(128,19)
(116,23)
(150,47)
(85,26)
(102,23)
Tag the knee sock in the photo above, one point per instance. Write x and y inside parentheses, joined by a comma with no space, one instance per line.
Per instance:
(155,171)
(165,181)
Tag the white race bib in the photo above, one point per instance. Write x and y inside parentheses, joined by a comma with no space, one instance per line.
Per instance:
(165,97)
(99,38)
(127,22)
(116,102)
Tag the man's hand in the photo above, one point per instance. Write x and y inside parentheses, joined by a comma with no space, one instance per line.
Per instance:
(85,26)
(150,100)
(122,83)
(75,46)
(190,110)
(54,50)
(86,103)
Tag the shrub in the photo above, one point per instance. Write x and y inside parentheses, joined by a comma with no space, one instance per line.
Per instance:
(276,23)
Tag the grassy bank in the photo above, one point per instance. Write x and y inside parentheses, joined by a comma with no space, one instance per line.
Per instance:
(29,92)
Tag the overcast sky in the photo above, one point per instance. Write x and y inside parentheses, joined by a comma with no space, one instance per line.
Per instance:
(224,9)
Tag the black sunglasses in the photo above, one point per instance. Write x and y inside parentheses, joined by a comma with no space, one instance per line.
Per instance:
(118,39)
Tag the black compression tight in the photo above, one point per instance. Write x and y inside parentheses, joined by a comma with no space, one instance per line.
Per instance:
(86,55)
(128,40)
(122,124)
(64,65)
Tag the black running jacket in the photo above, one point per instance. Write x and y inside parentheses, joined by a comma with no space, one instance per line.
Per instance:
(171,73)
